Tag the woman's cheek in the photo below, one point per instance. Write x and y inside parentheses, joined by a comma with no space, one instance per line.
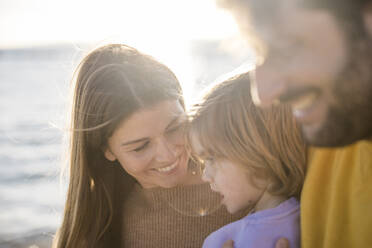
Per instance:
(143,160)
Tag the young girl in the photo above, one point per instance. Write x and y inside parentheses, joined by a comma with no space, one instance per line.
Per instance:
(254,158)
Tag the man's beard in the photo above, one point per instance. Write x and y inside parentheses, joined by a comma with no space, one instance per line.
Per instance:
(349,117)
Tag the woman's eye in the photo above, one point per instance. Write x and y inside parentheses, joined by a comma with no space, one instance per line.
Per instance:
(138,149)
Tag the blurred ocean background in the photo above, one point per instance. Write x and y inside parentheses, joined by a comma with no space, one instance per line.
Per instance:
(33,90)
(34,87)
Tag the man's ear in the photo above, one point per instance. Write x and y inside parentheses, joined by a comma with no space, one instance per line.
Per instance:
(109,155)
(367,18)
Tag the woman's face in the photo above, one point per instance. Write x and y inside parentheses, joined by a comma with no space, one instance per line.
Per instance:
(150,145)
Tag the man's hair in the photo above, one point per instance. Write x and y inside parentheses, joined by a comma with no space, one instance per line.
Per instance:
(331,5)
(267,142)
(348,12)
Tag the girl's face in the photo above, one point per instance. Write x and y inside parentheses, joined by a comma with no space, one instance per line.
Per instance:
(228,179)
(150,145)
(232,182)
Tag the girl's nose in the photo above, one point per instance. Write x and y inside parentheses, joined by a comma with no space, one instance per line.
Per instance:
(208,174)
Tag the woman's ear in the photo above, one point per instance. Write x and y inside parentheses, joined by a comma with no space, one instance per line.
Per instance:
(109,155)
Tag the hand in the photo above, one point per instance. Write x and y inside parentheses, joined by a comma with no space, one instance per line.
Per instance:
(228,244)
(281,243)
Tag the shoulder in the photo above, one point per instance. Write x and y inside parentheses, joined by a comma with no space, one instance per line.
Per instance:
(351,163)
(357,153)
(338,190)
(285,212)
(263,228)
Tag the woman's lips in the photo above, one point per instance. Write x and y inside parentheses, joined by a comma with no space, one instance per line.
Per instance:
(177,165)
(168,168)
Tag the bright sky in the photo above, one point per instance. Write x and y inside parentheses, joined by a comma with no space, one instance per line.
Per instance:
(25,22)
(162,28)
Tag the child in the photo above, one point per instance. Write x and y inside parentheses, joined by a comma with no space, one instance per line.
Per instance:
(255,158)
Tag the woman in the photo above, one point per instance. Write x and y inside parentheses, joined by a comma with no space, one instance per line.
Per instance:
(127,156)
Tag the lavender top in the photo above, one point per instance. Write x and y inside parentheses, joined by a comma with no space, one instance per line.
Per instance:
(261,229)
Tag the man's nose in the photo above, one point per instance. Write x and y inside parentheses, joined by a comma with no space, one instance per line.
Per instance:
(267,85)
(165,151)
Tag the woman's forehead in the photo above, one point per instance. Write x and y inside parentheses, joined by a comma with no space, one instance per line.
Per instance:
(149,121)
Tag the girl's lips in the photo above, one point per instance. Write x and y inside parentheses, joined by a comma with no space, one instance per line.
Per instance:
(223,200)
(214,189)
(221,196)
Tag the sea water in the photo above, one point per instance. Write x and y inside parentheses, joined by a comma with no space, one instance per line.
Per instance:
(33,93)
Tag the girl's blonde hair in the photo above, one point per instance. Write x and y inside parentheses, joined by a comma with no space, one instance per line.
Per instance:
(112,83)
(268,142)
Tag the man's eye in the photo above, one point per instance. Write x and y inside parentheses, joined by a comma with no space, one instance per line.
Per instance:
(138,149)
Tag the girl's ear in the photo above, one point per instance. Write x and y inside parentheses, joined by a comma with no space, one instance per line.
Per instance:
(109,155)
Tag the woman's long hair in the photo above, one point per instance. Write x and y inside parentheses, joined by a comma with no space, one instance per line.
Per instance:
(112,83)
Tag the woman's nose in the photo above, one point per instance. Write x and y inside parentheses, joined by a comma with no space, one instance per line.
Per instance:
(165,151)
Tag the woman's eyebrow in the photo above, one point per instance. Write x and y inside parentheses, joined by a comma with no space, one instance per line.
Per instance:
(174,120)
(134,141)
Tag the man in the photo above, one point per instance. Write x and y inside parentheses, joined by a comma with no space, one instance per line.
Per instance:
(317,56)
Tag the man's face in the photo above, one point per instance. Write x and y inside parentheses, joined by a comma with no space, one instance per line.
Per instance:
(315,65)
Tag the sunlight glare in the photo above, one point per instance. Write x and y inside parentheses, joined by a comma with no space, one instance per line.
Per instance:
(164,28)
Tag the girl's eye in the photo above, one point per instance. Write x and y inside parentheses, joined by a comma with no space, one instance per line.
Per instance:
(138,149)
(174,129)
(208,161)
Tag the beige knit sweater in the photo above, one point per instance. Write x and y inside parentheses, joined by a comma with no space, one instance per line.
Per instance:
(169,218)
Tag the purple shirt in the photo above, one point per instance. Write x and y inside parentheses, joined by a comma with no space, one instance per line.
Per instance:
(261,229)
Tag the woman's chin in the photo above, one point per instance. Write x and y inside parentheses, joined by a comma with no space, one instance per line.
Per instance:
(178,176)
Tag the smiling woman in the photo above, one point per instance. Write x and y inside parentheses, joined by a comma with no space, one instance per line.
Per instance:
(128,162)
(155,157)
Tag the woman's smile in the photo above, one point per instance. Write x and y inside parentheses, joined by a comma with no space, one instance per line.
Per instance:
(156,156)
(168,169)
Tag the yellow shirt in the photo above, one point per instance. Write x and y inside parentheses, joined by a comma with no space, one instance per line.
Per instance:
(336,201)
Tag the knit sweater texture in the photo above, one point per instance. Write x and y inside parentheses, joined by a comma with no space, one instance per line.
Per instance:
(177,217)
